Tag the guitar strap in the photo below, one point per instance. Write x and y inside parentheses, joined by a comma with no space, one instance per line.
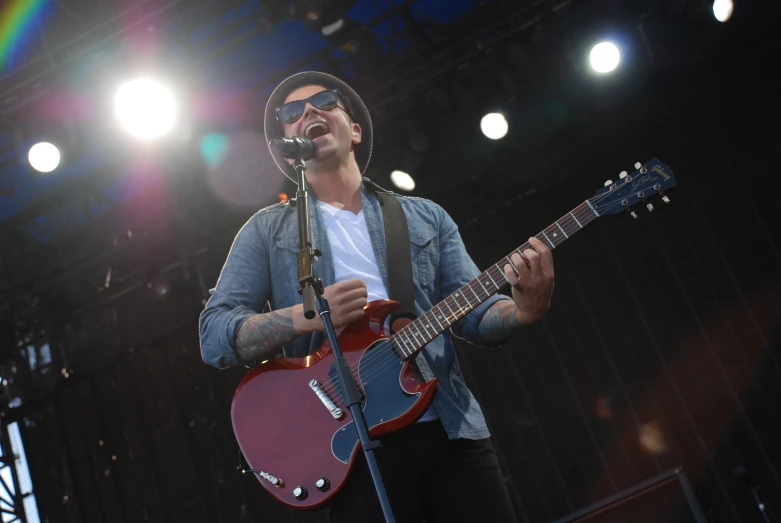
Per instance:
(398,257)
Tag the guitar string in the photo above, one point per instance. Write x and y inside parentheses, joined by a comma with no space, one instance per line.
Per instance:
(375,364)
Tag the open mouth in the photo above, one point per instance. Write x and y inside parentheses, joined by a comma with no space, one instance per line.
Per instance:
(316,130)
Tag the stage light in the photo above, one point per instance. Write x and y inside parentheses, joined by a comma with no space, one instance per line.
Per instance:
(722,9)
(494,126)
(333,28)
(604,57)
(44,157)
(158,283)
(402,180)
(145,107)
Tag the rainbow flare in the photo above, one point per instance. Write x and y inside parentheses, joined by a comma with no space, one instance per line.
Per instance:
(19,23)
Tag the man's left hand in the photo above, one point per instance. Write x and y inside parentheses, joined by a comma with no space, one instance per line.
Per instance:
(532,287)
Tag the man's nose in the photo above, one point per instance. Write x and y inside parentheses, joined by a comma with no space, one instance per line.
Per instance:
(309,109)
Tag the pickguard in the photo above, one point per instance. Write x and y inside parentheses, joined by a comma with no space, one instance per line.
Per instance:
(379,370)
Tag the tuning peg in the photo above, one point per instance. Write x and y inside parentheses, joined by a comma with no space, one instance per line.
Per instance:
(650,206)
(666,199)
(608,183)
(633,213)
(623,175)
(638,165)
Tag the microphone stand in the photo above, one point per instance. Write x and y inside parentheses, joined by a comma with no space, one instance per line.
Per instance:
(753,486)
(311,288)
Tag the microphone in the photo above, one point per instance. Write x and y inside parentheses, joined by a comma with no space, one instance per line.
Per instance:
(295,147)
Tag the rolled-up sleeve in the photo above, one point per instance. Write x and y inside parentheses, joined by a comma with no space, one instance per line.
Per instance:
(456,269)
(241,291)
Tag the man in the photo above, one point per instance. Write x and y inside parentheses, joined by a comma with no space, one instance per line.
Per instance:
(442,468)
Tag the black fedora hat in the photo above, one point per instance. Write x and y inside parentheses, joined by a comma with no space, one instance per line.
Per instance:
(353,103)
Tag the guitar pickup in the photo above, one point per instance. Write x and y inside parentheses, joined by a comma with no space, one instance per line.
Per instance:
(335,411)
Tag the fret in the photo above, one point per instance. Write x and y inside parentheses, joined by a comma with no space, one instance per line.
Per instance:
(442,314)
(469,306)
(425,327)
(509,259)
(490,278)
(555,235)
(401,346)
(562,230)
(457,305)
(451,310)
(483,286)
(415,323)
(553,246)
(473,292)
(455,299)
(576,220)
(408,340)
(435,317)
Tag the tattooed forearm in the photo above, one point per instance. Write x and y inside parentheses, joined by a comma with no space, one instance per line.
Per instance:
(262,336)
(499,322)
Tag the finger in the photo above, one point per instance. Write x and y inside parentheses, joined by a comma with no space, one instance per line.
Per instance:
(534,260)
(545,255)
(520,262)
(355,283)
(356,305)
(510,276)
(352,295)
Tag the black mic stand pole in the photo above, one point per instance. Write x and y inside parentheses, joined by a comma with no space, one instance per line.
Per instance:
(311,287)
(760,504)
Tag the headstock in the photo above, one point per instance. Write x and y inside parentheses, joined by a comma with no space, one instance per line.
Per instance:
(645,182)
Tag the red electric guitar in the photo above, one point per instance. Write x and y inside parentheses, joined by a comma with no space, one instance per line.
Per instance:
(288,414)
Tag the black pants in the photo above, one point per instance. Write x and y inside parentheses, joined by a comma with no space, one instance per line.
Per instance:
(428,478)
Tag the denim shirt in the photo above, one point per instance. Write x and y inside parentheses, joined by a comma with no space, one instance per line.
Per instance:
(262,266)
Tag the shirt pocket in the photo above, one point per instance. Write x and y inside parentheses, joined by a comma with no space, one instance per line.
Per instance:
(286,254)
(424,250)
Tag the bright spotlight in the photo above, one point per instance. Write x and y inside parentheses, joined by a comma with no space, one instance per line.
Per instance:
(44,157)
(722,9)
(145,107)
(402,180)
(604,57)
(494,126)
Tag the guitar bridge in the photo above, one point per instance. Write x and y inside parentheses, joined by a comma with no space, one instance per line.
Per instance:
(335,411)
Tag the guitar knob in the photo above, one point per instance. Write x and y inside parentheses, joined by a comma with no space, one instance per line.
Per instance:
(623,175)
(300,493)
(638,165)
(650,206)
(634,214)
(666,199)
(323,484)
(608,183)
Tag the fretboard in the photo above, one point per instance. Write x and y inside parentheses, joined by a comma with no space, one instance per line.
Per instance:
(418,333)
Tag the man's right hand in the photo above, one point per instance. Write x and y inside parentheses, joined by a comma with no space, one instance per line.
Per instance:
(347,300)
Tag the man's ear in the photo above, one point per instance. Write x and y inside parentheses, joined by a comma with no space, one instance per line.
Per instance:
(357,132)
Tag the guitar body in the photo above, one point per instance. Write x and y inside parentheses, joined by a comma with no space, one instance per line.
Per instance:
(285,429)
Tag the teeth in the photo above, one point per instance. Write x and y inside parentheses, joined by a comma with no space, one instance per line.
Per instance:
(312,126)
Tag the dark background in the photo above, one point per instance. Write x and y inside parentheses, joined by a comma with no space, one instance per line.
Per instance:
(661,348)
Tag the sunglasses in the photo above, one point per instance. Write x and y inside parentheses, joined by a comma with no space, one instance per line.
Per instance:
(326,100)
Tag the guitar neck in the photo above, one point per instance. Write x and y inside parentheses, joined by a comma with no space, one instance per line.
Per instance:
(415,335)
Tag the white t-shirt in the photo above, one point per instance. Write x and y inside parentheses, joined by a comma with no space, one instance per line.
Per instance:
(351,249)
(353,257)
